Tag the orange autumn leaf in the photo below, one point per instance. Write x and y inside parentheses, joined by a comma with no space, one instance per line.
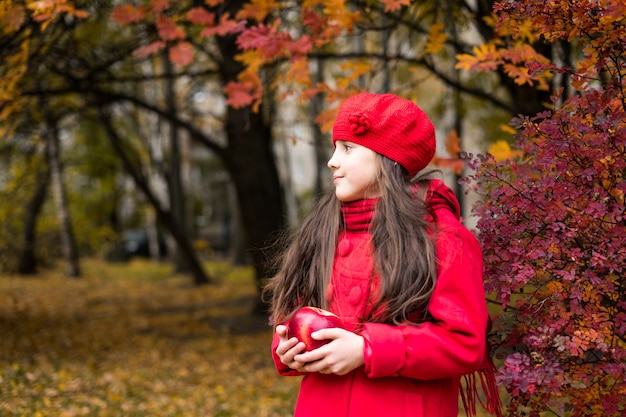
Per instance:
(127,14)
(299,71)
(395,5)
(453,143)
(46,11)
(454,164)
(326,119)
(257,10)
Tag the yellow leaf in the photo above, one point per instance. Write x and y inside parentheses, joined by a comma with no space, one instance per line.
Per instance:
(251,58)
(525,30)
(436,38)
(508,129)
(299,71)
(501,150)
(257,9)
(486,58)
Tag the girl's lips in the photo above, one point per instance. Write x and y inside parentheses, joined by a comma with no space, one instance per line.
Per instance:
(336,179)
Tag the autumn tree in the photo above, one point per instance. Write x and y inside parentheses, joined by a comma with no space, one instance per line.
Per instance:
(319,51)
(553,219)
(246,149)
(19,24)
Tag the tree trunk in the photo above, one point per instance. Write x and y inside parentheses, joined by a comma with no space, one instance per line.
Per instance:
(253,170)
(68,242)
(251,164)
(319,139)
(27,261)
(175,185)
(164,217)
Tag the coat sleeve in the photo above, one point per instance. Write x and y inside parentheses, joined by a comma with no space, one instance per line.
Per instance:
(453,343)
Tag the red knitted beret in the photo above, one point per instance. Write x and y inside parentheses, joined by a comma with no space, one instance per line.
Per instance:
(389,125)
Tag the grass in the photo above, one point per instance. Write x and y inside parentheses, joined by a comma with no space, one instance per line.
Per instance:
(134,340)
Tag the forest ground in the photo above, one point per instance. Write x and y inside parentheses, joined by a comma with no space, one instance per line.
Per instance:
(135,340)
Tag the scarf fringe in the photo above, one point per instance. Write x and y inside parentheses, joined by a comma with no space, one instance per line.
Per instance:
(470,394)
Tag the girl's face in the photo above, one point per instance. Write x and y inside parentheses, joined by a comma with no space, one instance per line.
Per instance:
(355,171)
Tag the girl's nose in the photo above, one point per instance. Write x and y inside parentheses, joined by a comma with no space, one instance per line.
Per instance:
(332,162)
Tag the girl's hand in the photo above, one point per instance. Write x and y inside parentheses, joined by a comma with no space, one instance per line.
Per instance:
(287,349)
(342,355)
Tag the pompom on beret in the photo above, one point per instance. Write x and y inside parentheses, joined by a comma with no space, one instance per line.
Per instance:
(389,125)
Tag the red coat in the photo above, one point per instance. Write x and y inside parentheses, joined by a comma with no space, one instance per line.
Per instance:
(409,370)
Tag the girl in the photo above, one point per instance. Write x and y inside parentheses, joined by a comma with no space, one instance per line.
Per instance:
(386,252)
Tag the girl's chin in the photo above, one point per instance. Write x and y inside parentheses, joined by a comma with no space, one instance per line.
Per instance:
(346,199)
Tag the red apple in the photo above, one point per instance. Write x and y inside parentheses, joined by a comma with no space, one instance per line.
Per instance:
(308,320)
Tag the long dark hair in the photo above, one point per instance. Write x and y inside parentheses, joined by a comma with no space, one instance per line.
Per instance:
(404,251)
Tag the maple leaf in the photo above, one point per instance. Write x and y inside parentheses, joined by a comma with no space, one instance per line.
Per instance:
(149,49)
(313,20)
(168,30)
(181,53)
(160,5)
(270,43)
(245,92)
(395,5)
(238,94)
(256,37)
(303,45)
(200,16)
(224,27)
(127,14)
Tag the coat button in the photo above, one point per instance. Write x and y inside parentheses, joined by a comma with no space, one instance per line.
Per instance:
(355,295)
(344,247)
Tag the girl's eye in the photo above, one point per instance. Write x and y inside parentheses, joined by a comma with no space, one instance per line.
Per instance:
(347,147)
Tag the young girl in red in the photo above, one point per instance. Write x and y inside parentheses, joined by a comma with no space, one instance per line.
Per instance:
(385,252)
